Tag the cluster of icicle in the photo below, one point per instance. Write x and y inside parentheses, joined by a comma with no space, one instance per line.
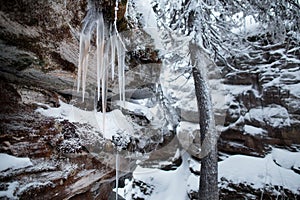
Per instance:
(108,46)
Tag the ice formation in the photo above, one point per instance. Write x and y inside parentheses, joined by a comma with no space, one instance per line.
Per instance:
(108,45)
(117,174)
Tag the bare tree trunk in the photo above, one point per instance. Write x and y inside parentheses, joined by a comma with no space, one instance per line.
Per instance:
(208,188)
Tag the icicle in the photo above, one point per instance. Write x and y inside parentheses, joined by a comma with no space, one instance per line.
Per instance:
(123,74)
(105,82)
(84,48)
(98,56)
(81,50)
(85,65)
(113,55)
(121,57)
(83,62)
(120,70)
(117,174)
(100,50)
(119,53)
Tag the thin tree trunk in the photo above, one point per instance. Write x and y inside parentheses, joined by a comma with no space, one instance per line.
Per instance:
(208,188)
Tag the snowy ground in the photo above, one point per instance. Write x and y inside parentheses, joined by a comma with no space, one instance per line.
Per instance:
(272,170)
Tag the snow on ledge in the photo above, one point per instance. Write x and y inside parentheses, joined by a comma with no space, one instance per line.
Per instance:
(252,130)
(273,115)
(12,162)
(115,121)
(261,171)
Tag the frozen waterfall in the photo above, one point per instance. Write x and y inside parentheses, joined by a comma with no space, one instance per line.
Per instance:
(108,46)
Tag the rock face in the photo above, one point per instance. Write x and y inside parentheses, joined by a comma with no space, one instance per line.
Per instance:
(266,96)
(38,58)
(39,43)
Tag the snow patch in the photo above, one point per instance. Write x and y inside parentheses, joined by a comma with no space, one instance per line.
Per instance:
(294,89)
(115,123)
(238,89)
(286,159)
(168,185)
(11,189)
(136,108)
(273,115)
(252,130)
(259,171)
(12,162)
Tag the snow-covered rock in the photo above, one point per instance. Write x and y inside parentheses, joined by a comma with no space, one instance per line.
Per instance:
(259,172)
(252,130)
(12,162)
(274,116)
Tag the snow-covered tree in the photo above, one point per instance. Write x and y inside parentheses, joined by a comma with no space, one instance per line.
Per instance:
(226,30)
